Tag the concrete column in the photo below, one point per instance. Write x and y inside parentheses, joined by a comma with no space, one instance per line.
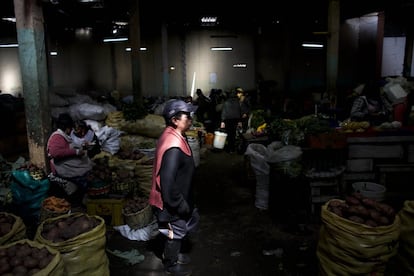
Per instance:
(33,60)
(332,46)
(165,65)
(135,38)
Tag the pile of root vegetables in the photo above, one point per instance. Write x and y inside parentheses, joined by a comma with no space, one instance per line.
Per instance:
(360,209)
(68,227)
(23,259)
(6,223)
(134,205)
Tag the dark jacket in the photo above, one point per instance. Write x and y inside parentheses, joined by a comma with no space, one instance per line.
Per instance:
(231,109)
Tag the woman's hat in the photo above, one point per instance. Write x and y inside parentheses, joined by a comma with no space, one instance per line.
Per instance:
(64,121)
(172,107)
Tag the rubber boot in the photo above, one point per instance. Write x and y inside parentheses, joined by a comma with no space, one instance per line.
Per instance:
(171,265)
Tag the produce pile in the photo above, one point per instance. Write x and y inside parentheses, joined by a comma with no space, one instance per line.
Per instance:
(6,223)
(68,227)
(351,126)
(55,204)
(360,209)
(134,204)
(23,259)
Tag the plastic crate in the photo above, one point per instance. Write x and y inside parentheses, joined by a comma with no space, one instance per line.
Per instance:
(110,209)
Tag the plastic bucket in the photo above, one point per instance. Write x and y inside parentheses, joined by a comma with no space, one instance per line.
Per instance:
(370,190)
(219,139)
(208,139)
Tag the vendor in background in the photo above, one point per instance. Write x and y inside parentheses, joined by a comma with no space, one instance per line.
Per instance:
(370,106)
(68,162)
(231,120)
(244,107)
(83,135)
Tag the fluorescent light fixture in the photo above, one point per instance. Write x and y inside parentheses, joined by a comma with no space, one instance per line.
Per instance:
(193,84)
(9,19)
(128,49)
(53,53)
(312,45)
(221,48)
(12,45)
(240,65)
(120,23)
(115,39)
(143,48)
(209,19)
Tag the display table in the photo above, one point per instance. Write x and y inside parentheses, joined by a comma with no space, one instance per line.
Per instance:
(384,157)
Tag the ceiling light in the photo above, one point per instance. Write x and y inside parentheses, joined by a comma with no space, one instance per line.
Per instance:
(89,1)
(53,53)
(209,19)
(143,48)
(11,45)
(115,39)
(312,45)
(9,19)
(121,23)
(221,48)
(240,65)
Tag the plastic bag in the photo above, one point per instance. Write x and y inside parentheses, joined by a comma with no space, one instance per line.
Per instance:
(286,153)
(28,191)
(257,154)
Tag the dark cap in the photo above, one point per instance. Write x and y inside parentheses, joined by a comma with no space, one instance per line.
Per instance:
(172,107)
(64,121)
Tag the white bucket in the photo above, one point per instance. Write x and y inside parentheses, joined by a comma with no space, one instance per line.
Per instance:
(370,190)
(219,139)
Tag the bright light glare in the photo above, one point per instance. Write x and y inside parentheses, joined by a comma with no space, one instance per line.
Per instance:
(12,45)
(115,39)
(193,84)
(240,65)
(312,45)
(221,48)
(10,19)
(209,19)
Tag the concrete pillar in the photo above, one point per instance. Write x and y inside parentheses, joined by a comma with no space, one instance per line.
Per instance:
(33,60)
(135,38)
(165,65)
(332,46)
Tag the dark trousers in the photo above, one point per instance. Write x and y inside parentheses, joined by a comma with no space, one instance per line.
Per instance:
(231,128)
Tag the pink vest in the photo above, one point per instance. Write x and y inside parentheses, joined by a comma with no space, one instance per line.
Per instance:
(170,138)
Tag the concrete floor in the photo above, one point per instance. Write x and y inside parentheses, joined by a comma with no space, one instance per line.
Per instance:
(235,237)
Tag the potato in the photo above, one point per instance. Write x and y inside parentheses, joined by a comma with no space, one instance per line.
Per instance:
(383,220)
(371,223)
(30,262)
(375,215)
(356,219)
(20,270)
(352,200)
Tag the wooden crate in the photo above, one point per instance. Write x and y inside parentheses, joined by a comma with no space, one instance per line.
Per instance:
(109,209)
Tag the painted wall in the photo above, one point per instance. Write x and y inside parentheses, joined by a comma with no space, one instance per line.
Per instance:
(271,55)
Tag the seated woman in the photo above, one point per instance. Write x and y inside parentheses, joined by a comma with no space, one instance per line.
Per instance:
(85,137)
(68,162)
(370,106)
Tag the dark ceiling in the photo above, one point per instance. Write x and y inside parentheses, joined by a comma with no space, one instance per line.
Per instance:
(62,16)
